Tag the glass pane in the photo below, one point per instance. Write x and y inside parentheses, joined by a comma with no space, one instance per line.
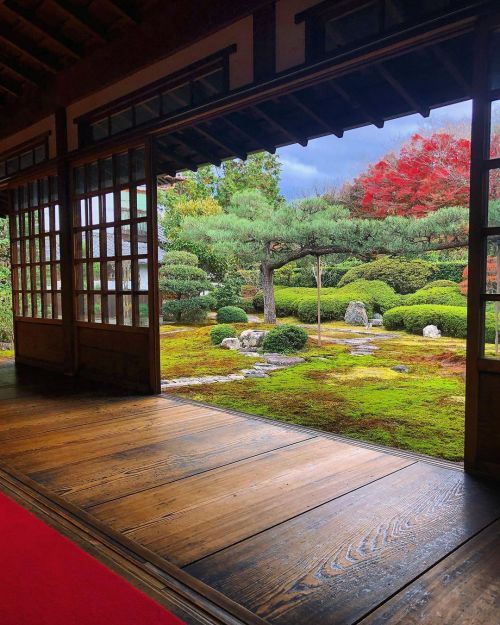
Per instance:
(27,306)
(143,274)
(111,273)
(81,308)
(495,60)
(122,172)
(176,99)
(138,165)
(57,221)
(127,309)
(27,159)
(110,242)
(44,190)
(495,130)
(38,305)
(81,277)
(492,265)
(96,249)
(97,276)
(107,173)
(46,219)
(57,272)
(127,275)
(83,213)
(142,202)
(94,210)
(38,282)
(208,86)
(142,237)
(92,177)
(54,191)
(121,121)
(47,299)
(40,154)
(143,310)
(97,309)
(111,308)
(109,202)
(80,180)
(125,240)
(58,247)
(99,130)
(492,330)
(58,304)
(48,277)
(12,165)
(148,110)
(494,198)
(125,204)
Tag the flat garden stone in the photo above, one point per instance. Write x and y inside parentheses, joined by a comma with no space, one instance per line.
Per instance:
(401,369)
(284,361)
(252,338)
(231,343)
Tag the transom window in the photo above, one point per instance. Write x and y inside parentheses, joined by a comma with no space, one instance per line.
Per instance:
(23,160)
(36,256)
(194,86)
(110,240)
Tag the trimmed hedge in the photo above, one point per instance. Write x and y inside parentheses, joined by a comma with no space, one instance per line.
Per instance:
(404,276)
(298,302)
(451,320)
(231,314)
(220,332)
(444,296)
(449,270)
(304,276)
(437,284)
(284,339)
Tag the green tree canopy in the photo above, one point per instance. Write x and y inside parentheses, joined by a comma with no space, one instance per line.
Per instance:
(254,230)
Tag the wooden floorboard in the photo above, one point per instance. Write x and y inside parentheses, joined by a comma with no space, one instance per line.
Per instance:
(276,524)
(334,564)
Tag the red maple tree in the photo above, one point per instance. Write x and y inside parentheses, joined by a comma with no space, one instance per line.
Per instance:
(429,173)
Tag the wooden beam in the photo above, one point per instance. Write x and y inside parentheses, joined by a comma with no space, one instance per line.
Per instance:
(178,162)
(319,118)
(30,18)
(124,11)
(226,145)
(192,143)
(83,18)
(403,92)
(11,87)
(25,46)
(279,126)
(13,66)
(241,131)
(452,69)
(356,103)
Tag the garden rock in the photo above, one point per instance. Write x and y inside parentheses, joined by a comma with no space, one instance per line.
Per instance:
(254,373)
(252,338)
(283,361)
(356,314)
(401,369)
(378,316)
(376,322)
(231,343)
(432,332)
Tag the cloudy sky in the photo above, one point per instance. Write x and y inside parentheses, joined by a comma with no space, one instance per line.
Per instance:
(329,161)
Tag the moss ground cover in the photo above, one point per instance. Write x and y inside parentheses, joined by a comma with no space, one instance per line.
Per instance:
(361,397)
(6,353)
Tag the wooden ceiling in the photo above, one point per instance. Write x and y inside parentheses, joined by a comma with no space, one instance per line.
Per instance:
(39,38)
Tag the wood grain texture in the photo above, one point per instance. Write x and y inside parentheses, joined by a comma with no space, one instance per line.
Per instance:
(339,561)
(463,589)
(189,519)
(203,446)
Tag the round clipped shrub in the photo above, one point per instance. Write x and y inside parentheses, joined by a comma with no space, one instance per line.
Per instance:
(444,296)
(220,332)
(404,276)
(438,284)
(231,314)
(449,270)
(284,339)
(451,320)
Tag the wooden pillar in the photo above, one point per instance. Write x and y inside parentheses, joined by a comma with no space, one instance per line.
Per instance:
(66,217)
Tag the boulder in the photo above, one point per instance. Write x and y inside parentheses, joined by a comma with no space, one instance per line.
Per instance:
(432,332)
(252,338)
(401,369)
(283,361)
(355,314)
(377,316)
(376,323)
(231,343)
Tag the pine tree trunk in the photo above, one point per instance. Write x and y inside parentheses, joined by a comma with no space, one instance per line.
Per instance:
(268,292)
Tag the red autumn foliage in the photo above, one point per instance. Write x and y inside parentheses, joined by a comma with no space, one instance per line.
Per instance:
(429,173)
(491,277)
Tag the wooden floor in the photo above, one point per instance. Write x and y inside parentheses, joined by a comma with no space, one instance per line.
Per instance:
(275,524)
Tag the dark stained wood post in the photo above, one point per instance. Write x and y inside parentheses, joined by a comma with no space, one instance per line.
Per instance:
(66,240)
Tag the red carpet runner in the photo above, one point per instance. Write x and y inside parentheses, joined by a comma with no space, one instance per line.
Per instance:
(47,580)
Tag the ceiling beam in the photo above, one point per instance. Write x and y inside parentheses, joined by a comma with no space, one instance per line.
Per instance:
(128,13)
(30,18)
(260,139)
(315,115)
(279,126)
(356,103)
(226,145)
(26,47)
(83,18)
(25,73)
(10,86)
(192,143)
(444,58)
(403,92)
(178,162)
